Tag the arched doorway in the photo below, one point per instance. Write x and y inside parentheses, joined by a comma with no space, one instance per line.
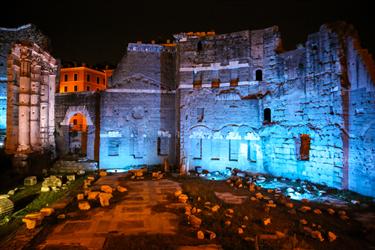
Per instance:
(78,134)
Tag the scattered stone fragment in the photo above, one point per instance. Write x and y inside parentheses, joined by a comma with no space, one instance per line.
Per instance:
(245,218)
(80,197)
(211,234)
(314,233)
(228,222)
(61,216)
(292,211)
(84,205)
(317,211)
(30,224)
(259,196)
(252,198)
(106,189)
(303,221)
(183,198)
(30,181)
(178,193)
(104,199)
(215,208)
(200,235)
(195,221)
(47,211)
(102,173)
(331,236)
(121,189)
(44,189)
(267,221)
(93,195)
(71,177)
(252,187)
(91,178)
(270,191)
(331,211)
(344,217)
(305,209)
(240,230)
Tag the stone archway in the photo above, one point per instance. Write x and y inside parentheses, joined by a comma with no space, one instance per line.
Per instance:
(78,135)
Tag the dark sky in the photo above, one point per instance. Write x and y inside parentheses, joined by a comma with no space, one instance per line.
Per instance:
(98,31)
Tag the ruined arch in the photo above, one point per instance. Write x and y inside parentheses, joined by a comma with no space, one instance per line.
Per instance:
(74,110)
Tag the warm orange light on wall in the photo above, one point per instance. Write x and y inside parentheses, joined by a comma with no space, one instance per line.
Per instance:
(79,79)
(78,122)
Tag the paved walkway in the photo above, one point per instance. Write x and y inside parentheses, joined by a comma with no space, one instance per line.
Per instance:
(132,215)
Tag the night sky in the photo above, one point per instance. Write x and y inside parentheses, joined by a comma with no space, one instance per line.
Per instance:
(96,32)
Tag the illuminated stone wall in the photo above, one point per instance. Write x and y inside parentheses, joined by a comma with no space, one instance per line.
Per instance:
(219,124)
(320,95)
(30,99)
(138,111)
(9,36)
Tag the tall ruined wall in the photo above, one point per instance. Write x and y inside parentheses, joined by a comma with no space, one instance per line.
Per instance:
(138,110)
(218,97)
(30,99)
(361,76)
(307,101)
(9,36)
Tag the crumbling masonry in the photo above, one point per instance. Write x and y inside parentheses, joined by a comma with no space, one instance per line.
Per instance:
(238,101)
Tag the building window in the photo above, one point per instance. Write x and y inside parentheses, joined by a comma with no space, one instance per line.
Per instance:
(215,82)
(136,147)
(65,77)
(74,121)
(196,148)
(200,114)
(267,115)
(113,147)
(88,77)
(234,78)
(75,88)
(199,46)
(233,150)
(251,151)
(197,80)
(163,146)
(103,81)
(258,75)
(88,88)
(75,77)
(97,80)
(304,150)
(66,89)
(215,149)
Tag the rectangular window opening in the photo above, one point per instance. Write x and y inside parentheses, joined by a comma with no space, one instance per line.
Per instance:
(197,148)
(304,147)
(233,150)
(113,147)
(163,146)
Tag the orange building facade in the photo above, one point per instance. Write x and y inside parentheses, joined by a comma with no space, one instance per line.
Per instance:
(79,79)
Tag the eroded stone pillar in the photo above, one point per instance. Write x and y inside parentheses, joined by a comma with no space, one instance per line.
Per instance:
(34,108)
(24,101)
(51,109)
(44,107)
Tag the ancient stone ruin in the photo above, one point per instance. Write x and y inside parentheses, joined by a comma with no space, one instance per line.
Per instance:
(214,102)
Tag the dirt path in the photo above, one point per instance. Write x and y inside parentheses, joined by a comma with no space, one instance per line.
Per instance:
(131,215)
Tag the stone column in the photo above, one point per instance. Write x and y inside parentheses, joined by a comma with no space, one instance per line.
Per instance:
(44,109)
(24,101)
(51,110)
(34,109)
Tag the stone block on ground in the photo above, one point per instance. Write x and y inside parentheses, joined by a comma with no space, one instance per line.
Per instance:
(47,211)
(30,181)
(107,189)
(104,199)
(84,205)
